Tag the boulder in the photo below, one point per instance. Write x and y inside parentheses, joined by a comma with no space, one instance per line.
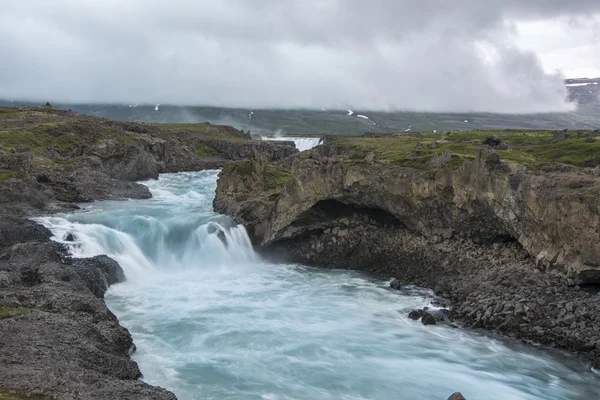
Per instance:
(416,314)
(457,396)
(440,161)
(491,141)
(428,319)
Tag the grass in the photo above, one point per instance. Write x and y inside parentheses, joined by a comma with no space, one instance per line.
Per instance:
(204,150)
(231,139)
(20,395)
(6,174)
(38,138)
(533,148)
(275,176)
(10,311)
(240,167)
(10,112)
(200,127)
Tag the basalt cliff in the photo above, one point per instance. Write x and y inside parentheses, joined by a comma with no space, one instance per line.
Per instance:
(506,227)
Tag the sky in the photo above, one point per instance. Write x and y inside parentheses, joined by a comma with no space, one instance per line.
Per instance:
(508,56)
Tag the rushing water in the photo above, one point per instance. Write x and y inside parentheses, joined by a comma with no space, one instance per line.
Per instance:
(212,321)
(302,143)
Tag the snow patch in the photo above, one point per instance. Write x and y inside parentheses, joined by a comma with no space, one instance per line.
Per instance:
(362,116)
(350,112)
(156,108)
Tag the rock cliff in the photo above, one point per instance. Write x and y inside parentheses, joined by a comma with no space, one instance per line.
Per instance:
(554,215)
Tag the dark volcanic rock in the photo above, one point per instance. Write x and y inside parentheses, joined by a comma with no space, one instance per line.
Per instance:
(491,141)
(16,230)
(99,273)
(428,319)
(395,284)
(416,314)
(457,396)
(64,342)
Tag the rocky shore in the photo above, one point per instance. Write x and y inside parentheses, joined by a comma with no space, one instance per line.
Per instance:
(511,243)
(59,340)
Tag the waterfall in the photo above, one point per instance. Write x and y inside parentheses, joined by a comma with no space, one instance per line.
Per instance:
(302,143)
(154,240)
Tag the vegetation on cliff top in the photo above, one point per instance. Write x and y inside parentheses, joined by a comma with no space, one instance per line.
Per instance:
(6,174)
(56,137)
(533,148)
(273,175)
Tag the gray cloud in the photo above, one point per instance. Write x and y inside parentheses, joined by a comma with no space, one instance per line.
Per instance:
(385,54)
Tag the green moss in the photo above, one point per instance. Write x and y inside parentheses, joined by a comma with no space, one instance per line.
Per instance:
(275,176)
(240,167)
(20,395)
(243,168)
(6,174)
(10,112)
(200,127)
(204,150)
(38,138)
(10,311)
(579,152)
(231,139)
(533,148)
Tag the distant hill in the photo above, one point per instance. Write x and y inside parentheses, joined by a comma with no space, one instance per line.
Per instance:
(585,92)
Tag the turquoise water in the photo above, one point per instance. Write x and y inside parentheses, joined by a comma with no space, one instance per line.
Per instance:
(211,320)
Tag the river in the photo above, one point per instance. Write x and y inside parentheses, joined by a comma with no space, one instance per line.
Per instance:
(211,320)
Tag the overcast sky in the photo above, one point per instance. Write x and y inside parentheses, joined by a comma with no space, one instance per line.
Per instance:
(432,55)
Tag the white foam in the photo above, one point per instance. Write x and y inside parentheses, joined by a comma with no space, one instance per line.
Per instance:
(581,84)
(156,108)
(302,143)
(350,112)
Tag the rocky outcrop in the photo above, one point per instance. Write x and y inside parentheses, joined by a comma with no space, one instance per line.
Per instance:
(485,200)
(68,157)
(58,337)
(513,249)
(269,150)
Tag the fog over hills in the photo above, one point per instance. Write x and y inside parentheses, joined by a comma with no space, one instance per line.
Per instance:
(584,92)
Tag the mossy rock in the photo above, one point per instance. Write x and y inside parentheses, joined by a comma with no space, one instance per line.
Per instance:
(275,177)
(6,174)
(204,150)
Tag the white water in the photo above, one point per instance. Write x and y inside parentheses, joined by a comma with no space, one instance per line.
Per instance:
(302,143)
(212,321)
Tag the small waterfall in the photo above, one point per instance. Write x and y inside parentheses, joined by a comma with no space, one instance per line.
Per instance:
(154,240)
(302,143)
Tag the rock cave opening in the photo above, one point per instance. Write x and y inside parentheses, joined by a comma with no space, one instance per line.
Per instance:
(331,211)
